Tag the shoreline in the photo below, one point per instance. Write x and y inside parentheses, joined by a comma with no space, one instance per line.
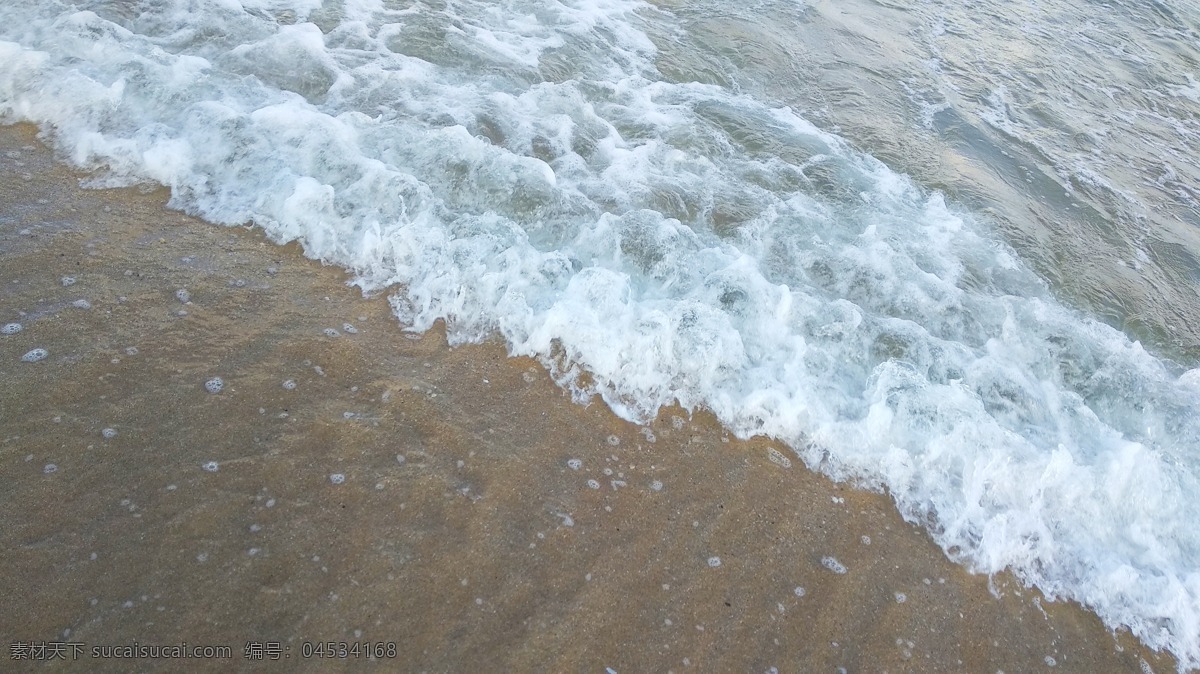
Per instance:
(482,547)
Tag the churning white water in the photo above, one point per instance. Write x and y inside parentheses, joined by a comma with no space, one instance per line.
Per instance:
(525,168)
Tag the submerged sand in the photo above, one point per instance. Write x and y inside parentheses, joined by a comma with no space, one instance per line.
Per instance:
(462,532)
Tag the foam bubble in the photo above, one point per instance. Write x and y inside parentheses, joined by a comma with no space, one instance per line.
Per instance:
(833,565)
(81,304)
(67,281)
(109,433)
(330,332)
(349,329)
(211,466)
(337,478)
(11,328)
(714,562)
(799,591)
(289,384)
(214,385)
(776,457)
(50,468)
(34,355)
(183,295)
(593,484)
(656,485)
(574,464)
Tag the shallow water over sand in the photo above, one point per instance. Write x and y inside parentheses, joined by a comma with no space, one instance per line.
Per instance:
(485,548)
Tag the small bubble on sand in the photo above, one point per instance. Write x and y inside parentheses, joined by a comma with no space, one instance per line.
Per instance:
(593,484)
(131,351)
(650,438)
(183,295)
(574,464)
(1050,661)
(50,468)
(270,503)
(608,471)
(81,304)
(833,564)
(214,385)
(866,540)
(330,332)
(714,562)
(656,485)
(202,557)
(400,459)
(272,270)
(11,328)
(901,597)
(613,440)
(289,385)
(127,604)
(211,466)
(337,478)
(68,281)
(252,552)
(349,329)
(109,433)
(799,591)
(35,355)
(528,377)
(238,283)
(255,528)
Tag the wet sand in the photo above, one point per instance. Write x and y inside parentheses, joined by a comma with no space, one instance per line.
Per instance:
(461,531)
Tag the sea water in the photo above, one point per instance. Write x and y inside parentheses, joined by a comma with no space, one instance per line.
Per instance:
(946,253)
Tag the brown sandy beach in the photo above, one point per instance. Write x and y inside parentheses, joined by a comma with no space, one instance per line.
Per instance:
(461,532)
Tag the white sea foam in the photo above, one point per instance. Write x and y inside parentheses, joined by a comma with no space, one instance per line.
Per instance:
(523,169)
